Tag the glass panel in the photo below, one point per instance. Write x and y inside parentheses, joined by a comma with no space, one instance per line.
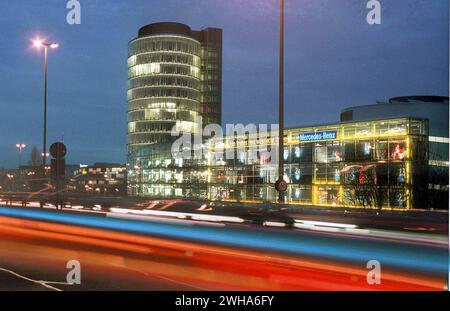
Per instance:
(301,194)
(364,150)
(334,152)
(328,195)
(350,152)
(417,127)
(382,128)
(397,149)
(320,153)
(321,173)
(381,150)
(305,153)
(305,175)
(397,127)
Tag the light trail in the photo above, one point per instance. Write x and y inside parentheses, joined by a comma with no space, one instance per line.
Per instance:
(204,266)
(214,218)
(177,221)
(274,224)
(326,224)
(394,255)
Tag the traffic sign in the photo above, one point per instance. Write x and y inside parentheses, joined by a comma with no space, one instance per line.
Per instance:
(281,185)
(58,150)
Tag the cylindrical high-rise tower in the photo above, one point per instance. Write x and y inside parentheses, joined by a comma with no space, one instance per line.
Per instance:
(163,83)
(174,76)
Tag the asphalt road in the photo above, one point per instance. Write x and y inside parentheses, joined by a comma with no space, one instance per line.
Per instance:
(33,250)
(38,266)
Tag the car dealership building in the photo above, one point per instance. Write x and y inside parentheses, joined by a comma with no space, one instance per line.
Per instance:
(391,162)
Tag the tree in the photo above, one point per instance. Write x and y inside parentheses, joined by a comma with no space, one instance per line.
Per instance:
(35,163)
(35,159)
(369,186)
(364,188)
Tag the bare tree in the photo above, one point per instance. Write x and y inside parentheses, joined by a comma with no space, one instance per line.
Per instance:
(364,189)
(369,188)
(35,159)
(35,163)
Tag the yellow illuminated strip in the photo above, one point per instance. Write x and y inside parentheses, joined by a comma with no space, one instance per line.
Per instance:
(408,170)
(326,183)
(314,195)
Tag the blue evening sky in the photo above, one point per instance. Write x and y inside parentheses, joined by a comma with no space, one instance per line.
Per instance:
(334,59)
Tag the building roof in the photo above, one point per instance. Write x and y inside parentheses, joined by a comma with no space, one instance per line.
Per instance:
(165,28)
(404,100)
(426,99)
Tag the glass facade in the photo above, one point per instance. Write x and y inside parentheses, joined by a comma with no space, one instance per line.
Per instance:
(211,75)
(163,87)
(366,164)
(174,77)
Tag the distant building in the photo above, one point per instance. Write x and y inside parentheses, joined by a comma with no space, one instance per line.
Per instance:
(99,179)
(22,179)
(11,180)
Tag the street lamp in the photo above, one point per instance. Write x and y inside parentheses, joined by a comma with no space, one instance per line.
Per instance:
(281,185)
(46,45)
(45,168)
(20,147)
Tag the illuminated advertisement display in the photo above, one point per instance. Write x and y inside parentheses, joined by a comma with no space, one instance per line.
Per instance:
(327,135)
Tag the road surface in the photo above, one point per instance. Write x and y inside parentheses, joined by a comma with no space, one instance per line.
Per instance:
(122,251)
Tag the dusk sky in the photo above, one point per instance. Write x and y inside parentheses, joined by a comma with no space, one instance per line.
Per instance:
(334,59)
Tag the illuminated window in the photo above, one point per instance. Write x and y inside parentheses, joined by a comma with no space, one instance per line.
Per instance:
(145,69)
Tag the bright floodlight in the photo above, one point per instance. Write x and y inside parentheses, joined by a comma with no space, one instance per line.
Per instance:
(37,43)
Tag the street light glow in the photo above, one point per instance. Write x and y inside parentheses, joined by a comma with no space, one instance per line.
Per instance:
(37,43)
(40,43)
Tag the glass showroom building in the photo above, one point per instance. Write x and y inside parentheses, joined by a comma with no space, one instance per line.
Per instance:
(398,163)
(174,77)
(379,163)
(392,154)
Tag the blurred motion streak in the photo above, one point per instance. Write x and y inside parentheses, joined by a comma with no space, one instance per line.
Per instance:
(207,266)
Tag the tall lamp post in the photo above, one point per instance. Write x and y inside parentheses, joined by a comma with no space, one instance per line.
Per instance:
(281,185)
(20,147)
(46,45)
